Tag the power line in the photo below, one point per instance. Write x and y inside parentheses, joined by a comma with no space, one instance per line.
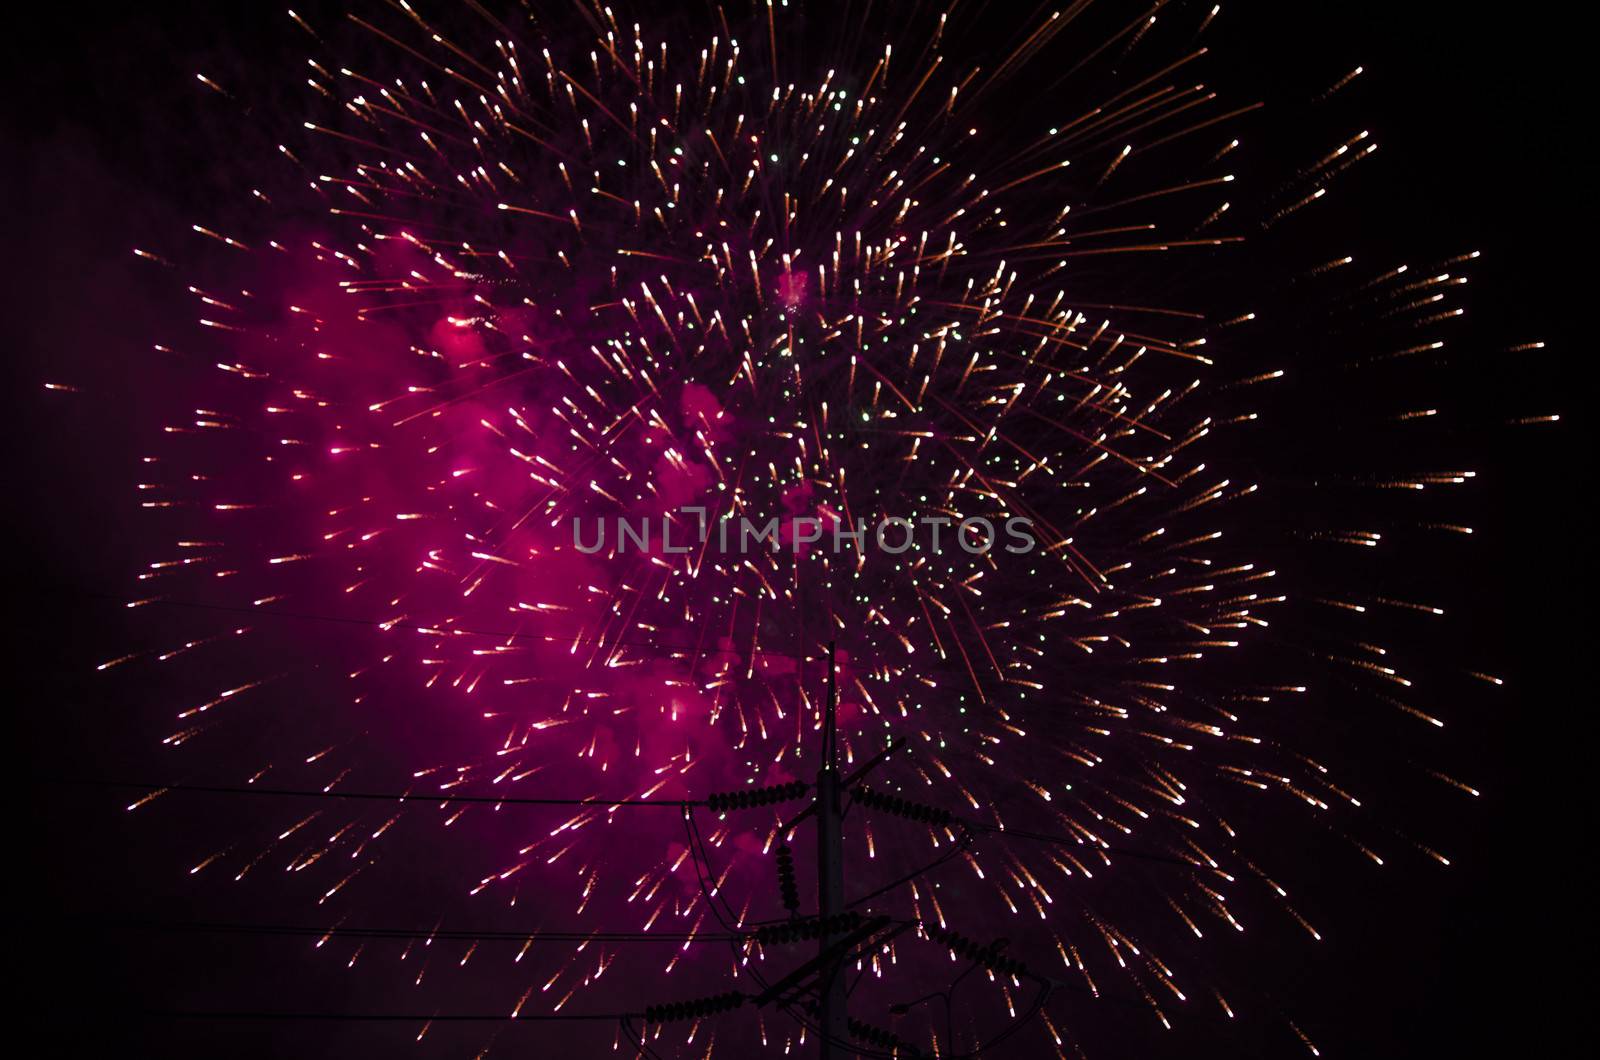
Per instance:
(379,796)
(158,788)
(389,1017)
(443,934)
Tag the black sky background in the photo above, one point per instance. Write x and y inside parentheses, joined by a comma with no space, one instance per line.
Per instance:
(1485,122)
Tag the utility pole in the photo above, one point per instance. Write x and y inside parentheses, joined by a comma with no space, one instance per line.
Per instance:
(834,1022)
(838,932)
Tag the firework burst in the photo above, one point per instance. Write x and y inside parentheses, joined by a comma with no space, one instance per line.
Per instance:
(512,276)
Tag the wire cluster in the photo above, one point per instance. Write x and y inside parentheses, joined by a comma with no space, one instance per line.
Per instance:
(688,1010)
(881,1038)
(807,928)
(723,801)
(786,879)
(987,956)
(894,804)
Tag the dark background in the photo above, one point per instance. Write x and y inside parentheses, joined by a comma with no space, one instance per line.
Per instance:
(1484,116)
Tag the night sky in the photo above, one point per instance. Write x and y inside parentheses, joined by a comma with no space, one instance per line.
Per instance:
(1482,118)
